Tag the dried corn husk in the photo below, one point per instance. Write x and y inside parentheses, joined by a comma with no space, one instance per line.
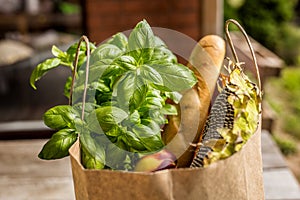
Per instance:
(233,118)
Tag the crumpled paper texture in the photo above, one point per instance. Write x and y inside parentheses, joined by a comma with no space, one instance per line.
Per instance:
(238,177)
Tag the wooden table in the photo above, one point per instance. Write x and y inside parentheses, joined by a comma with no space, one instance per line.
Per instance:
(279,181)
(24,176)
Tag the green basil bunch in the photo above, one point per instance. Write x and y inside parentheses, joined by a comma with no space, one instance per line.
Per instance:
(131,81)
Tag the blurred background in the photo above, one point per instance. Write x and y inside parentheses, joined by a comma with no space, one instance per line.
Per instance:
(276,25)
(29,28)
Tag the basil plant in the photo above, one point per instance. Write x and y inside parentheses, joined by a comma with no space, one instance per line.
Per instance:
(134,83)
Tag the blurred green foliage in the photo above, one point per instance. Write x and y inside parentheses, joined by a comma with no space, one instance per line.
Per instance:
(286,146)
(290,81)
(284,99)
(69,8)
(270,23)
(289,46)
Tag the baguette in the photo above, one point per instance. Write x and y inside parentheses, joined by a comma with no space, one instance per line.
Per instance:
(186,128)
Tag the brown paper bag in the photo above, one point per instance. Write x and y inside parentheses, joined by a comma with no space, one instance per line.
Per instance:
(238,177)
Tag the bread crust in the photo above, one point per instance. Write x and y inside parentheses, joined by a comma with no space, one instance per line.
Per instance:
(186,128)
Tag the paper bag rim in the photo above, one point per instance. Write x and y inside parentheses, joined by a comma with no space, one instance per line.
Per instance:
(74,152)
(236,177)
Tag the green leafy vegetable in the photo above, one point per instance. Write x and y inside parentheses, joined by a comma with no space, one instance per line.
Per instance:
(92,154)
(108,116)
(59,144)
(61,58)
(42,69)
(119,40)
(130,82)
(141,42)
(176,77)
(60,117)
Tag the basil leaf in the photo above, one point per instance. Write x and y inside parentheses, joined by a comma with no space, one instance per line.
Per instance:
(108,116)
(176,77)
(155,116)
(105,99)
(57,52)
(151,75)
(63,56)
(153,93)
(73,48)
(67,87)
(96,72)
(174,96)
(59,144)
(125,88)
(92,88)
(143,130)
(105,51)
(126,62)
(121,142)
(88,108)
(92,154)
(112,73)
(96,84)
(161,88)
(93,123)
(135,117)
(152,125)
(60,117)
(119,40)
(153,103)
(169,109)
(134,142)
(100,86)
(138,97)
(162,53)
(71,53)
(153,143)
(141,42)
(116,157)
(148,137)
(114,131)
(42,69)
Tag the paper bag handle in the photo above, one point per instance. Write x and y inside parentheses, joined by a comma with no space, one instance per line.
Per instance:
(248,42)
(86,40)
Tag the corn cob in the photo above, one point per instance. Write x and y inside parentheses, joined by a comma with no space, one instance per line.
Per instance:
(233,118)
(221,116)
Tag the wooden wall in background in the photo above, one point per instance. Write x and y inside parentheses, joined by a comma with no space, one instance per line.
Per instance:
(103,18)
(211,17)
